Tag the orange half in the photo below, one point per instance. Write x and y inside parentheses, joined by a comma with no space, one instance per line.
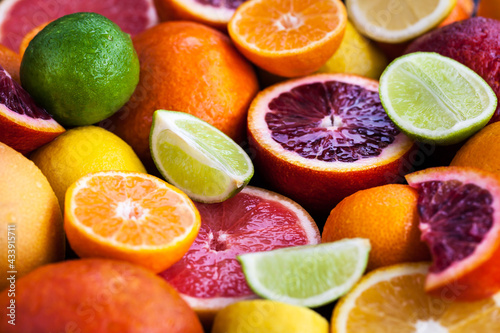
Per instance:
(130,216)
(288,37)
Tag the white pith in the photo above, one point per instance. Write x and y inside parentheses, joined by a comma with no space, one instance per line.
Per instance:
(259,129)
(216,14)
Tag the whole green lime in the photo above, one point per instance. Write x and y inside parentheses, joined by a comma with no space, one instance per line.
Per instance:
(81,68)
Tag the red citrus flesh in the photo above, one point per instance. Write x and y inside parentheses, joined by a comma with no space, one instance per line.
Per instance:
(321,138)
(459,211)
(24,126)
(209,276)
(18,17)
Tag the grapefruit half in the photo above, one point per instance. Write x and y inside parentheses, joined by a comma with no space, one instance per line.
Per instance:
(18,17)
(323,137)
(209,277)
(24,126)
(459,210)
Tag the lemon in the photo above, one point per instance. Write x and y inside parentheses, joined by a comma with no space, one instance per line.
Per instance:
(258,316)
(80,151)
(397,21)
(81,68)
(356,55)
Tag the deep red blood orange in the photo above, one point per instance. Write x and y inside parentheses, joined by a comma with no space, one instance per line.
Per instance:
(209,277)
(24,126)
(459,210)
(18,17)
(321,138)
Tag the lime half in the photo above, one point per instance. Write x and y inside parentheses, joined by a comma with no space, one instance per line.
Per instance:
(198,158)
(394,21)
(311,275)
(435,99)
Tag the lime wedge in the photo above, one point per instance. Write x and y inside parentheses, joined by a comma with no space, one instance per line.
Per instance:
(393,21)
(435,99)
(310,275)
(197,158)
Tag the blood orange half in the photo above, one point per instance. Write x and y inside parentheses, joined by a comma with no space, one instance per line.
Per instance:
(323,137)
(209,277)
(24,126)
(459,210)
(18,17)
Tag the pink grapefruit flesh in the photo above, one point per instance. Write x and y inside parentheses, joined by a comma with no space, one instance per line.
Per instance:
(209,277)
(18,17)
(459,211)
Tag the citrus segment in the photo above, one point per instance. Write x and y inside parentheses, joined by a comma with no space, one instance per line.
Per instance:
(397,21)
(271,317)
(436,99)
(198,158)
(130,216)
(311,275)
(459,212)
(393,298)
(209,276)
(323,137)
(288,38)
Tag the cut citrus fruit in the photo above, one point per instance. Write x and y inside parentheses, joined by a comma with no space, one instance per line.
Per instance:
(24,125)
(391,243)
(397,21)
(11,62)
(209,276)
(197,157)
(130,216)
(459,210)
(392,299)
(435,99)
(311,275)
(213,13)
(288,38)
(323,137)
(18,17)
(273,317)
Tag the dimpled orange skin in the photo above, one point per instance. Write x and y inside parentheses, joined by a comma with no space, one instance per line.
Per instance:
(98,296)
(386,215)
(186,67)
(10,61)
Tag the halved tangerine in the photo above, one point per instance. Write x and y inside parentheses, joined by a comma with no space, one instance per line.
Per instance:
(459,210)
(209,277)
(321,138)
(130,216)
(24,125)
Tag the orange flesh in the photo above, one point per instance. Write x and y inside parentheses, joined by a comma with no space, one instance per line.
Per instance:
(136,211)
(288,25)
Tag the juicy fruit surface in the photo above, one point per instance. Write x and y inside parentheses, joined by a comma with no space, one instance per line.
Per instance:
(343,122)
(174,56)
(55,67)
(105,291)
(453,228)
(80,151)
(198,158)
(387,216)
(311,275)
(251,221)
(472,42)
(21,16)
(288,38)
(30,206)
(231,4)
(274,317)
(435,99)
(393,298)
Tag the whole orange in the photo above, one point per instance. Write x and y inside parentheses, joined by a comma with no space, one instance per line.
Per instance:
(186,67)
(387,216)
(10,61)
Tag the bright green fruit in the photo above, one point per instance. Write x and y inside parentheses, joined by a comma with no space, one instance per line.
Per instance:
(198,158)
(310,275)
(82,68)
(435,99)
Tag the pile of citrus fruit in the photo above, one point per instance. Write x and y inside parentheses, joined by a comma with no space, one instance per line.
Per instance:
(250,166)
